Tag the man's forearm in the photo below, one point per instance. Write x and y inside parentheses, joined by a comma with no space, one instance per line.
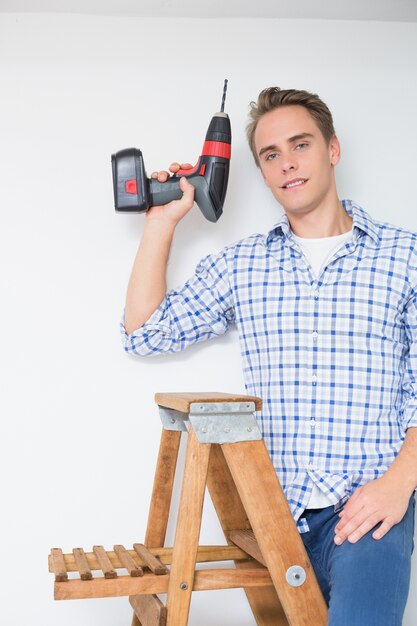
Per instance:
(147,284)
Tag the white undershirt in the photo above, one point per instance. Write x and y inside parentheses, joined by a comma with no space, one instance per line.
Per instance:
(318,252)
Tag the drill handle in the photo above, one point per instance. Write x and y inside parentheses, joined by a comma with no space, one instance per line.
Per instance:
(210,187)
(162,193)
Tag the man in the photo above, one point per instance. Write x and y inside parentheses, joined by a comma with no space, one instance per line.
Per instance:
(326,309)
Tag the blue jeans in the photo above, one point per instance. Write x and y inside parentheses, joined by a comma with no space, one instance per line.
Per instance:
(366,583)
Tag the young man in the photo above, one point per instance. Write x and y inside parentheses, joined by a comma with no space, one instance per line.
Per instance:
(326,309)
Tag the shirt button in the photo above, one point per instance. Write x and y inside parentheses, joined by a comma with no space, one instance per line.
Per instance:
(312,422)
(311,464)
(314,379)
(314,334)
(316,294)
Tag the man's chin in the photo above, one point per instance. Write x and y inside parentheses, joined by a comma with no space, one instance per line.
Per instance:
(295,208)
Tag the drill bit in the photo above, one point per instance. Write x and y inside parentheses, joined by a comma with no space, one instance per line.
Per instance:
(224,95)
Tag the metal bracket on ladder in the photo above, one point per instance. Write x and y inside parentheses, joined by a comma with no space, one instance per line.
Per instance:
(215,422)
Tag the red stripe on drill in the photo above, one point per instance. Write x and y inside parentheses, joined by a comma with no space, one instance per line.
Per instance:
(217,149)
(210,148)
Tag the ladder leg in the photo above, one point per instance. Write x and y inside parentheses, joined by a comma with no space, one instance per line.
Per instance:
(188,531)
(275,531)
(161,494)
(162,489)
(263,601)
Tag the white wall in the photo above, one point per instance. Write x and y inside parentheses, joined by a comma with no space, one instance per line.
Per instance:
(79,430)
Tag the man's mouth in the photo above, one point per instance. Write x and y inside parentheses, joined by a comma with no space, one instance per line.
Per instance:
(296,182)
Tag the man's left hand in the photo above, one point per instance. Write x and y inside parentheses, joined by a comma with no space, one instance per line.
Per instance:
(381,500)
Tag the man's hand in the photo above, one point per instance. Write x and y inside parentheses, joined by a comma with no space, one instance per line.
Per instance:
(382,500)
(174,211)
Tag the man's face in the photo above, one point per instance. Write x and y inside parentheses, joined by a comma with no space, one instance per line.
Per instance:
(296,162)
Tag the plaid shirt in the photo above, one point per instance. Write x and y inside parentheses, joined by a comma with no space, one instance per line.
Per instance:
(334,358)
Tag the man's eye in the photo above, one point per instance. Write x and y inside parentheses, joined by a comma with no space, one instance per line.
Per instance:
(300,146)
(271,156)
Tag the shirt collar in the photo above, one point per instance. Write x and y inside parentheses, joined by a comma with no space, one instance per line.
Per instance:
(362,223)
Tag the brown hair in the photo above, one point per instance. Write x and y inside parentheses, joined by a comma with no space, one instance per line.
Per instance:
(273,97)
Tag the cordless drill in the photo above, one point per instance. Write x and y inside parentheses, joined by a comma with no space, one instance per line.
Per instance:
(135,193)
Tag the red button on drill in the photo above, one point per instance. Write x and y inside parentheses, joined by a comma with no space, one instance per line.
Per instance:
(131,186)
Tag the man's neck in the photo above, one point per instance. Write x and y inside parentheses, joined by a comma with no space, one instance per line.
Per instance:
(324,221)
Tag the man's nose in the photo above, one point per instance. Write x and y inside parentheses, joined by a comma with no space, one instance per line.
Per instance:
(288,162)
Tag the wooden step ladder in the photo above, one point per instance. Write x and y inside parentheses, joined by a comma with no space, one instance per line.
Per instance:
(225,451)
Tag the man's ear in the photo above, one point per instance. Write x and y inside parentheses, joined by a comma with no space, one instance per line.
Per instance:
(334,150)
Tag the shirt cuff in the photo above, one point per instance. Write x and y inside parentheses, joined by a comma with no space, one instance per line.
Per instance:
(137,342)
(409,419)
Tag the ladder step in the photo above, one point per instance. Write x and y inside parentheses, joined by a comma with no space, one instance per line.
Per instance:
(58,565)
(127,561)
(149,610)
(182,401)
(150,560)
(245,539)
(104,562)
(82,564)
(205,554)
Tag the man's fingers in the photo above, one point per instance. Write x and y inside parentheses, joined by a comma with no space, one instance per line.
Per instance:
(370,523)
(346,527)
(382,530)
(174,167)
(356,529)
(351,510)
(187,190)
(161,176)
(364,528)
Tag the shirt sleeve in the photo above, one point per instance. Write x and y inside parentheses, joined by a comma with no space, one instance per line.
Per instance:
(409,408)
(200,309)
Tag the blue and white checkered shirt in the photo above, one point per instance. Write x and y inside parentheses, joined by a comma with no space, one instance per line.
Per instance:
(334,358)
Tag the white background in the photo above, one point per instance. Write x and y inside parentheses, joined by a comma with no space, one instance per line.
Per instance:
(79,429)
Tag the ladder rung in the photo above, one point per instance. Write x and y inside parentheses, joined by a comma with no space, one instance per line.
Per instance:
(204,580)
(149,610)
(82,564)
(150,560)
(127,561)
(104,562)
(245,539)
(58,565)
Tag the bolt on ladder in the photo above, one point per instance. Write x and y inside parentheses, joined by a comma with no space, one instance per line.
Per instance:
(226,453)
